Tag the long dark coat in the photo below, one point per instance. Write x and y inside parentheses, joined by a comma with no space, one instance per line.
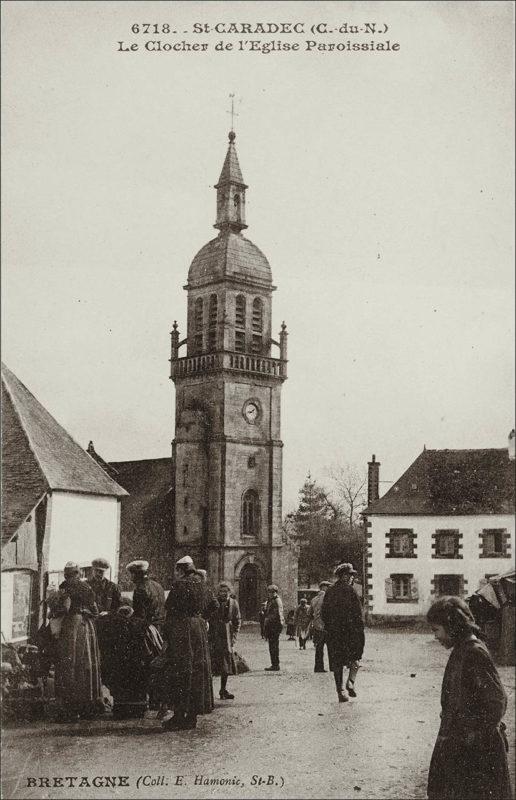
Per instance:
(469,758)
(124,662)
(149,602)
(107,594)
(187,652)
(224,626)
(341,613)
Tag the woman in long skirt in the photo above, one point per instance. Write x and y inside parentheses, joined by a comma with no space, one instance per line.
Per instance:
(77,668)
(125,663)
(187,652)
(470,754)
(224,626)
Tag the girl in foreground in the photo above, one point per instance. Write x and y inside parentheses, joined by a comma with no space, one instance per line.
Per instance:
(470,754)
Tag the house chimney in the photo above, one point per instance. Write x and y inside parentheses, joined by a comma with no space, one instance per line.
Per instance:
(373,480)
(511,445)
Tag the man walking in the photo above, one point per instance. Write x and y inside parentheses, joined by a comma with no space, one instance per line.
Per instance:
(342,617)
(273,625)
(318,634)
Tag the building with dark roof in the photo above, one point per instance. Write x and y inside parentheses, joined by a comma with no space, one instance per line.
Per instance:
(58,506)
(444,527)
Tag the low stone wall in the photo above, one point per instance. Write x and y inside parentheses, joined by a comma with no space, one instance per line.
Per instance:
(416,623)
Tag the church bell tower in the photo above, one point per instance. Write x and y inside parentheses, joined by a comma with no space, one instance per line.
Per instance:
(227,451)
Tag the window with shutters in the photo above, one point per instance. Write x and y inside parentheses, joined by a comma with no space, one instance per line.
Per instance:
(250,513)
(495,543)
(212,322)
(446,544)
(401,588)
(401,543)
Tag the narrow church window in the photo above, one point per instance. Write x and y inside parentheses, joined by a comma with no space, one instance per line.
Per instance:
(240,311)
(212,323)
(257,315)
(240,341)
(251,462)
(185,530)
(198,314)
(198,323)
(186,501)
(250,513)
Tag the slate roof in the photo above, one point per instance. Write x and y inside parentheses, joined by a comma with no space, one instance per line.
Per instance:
(147,513)
(38,455)
(230,255)
(452,482)
(231,168)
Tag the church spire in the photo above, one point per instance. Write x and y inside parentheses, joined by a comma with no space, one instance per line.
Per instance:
(231,192)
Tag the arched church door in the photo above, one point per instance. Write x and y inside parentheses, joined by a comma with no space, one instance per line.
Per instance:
(248,592)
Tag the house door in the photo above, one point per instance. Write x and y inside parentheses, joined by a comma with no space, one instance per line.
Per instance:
(248,592)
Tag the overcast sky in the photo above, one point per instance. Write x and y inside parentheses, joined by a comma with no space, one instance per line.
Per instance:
(380,190)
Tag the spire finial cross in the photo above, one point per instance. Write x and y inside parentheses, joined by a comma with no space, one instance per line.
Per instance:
(232,112)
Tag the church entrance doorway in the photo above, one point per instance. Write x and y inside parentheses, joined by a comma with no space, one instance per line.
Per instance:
(248,592)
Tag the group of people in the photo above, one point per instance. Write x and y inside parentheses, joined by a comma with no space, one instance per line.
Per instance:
(165,651)
(333,618)
(148,651)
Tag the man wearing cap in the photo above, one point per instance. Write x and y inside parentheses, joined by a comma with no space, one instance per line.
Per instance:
(341,613)
(273,625)
(107,594)
(148,595)
(318,635)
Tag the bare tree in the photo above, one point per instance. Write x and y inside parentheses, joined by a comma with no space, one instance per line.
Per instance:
(349,490)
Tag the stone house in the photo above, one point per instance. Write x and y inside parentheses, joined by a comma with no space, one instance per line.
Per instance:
(444,527)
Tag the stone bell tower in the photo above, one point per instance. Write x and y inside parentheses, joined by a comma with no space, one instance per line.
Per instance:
(227,451)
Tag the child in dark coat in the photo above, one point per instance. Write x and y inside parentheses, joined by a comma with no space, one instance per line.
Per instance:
(470,754)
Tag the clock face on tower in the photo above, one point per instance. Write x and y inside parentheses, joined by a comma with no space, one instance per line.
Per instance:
(251,411)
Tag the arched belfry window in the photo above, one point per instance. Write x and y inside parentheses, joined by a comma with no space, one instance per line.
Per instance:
(251,513)
(198,324)
(236,201)
(257,325)
(257,315)
(240,323)
(212,323)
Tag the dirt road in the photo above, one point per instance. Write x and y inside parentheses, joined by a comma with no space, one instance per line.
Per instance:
(283,728)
